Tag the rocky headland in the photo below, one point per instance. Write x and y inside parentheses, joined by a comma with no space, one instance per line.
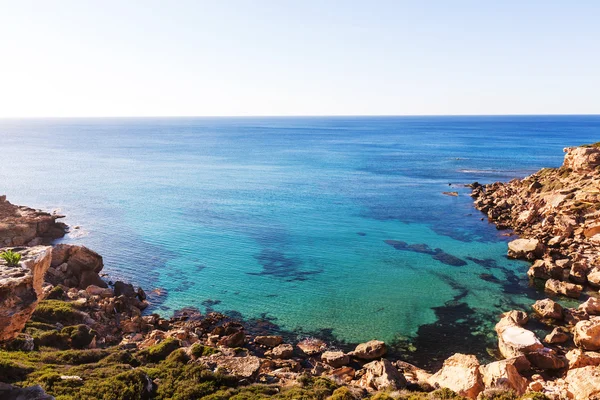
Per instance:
(66,333)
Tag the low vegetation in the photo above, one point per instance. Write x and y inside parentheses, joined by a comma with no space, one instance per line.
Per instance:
(12,258)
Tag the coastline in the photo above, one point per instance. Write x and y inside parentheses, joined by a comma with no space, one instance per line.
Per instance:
(531,368)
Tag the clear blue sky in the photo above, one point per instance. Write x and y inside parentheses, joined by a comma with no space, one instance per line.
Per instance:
(226,57)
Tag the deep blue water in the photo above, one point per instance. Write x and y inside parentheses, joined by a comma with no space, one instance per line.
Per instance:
(288,218)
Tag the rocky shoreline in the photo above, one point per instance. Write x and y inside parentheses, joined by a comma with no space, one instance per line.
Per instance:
(66,333)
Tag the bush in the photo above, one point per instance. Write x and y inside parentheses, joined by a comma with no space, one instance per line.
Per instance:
(78,336)
(445,394)
(534,396)
(74,357)
(11,371)
(130,385)
(342,393)
(57,293)
(160,351)
(52,311)
(198,350)
(12,258)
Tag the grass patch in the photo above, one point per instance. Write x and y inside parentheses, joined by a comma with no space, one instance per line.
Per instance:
(52,311)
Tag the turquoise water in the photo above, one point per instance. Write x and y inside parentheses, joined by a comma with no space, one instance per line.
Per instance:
(286,219)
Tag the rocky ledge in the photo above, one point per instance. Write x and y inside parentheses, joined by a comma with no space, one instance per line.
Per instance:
(20,225)
(71,335)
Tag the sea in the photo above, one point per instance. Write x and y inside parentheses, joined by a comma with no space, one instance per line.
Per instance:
(331,227)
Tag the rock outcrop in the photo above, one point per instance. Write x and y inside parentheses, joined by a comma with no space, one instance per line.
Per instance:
(461,374)
(556,213)
(76,266)
(21,288)
(20,226)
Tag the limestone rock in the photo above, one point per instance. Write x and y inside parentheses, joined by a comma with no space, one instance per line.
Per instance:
(78,265)
(587,334)
(582,159)
(584,383)
(241,367)
(546,358)
(21,225)
(547,308)
(382,375)
(591,306)
(565,288)
(527,249)
(369,351)
(312,346)
(514,341)
(268,341)
(336,359)
(578,358)
(593,277)
(556,336)
(461,374)
(503,375)
(21,289)
(282,352)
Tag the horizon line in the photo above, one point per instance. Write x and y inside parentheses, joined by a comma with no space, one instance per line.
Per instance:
(293,116)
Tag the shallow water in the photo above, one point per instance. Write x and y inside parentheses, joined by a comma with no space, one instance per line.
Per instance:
(288,218)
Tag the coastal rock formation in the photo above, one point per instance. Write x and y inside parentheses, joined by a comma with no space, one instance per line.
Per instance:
(76,266)
(21,289)
(21,225)
(382,375)
(10,392)
(584,383)
(587,334)
(556,212)
(461,374)
(504,375)
(370,350)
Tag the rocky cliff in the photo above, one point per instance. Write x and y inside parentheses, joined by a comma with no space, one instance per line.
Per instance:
(557,214)
(21,225)
(21,289)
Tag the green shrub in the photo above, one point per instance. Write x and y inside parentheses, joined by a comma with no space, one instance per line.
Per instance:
(130,385)
(74,357)
(342,393)
(57,293)
(12,258)
(445,394)
(52,311)
(198,350)
(78,336)
(534,396)
(160,351)
(11,371)
(497,394)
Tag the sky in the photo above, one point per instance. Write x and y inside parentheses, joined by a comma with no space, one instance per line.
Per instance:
(82,58)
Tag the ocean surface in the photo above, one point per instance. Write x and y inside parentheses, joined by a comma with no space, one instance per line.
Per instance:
(324,226)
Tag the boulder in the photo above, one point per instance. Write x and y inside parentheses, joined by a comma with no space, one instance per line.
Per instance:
(578,358)
(9,392)
(514,341)
(78,266)
(370,350)
(503,375)
(236,339)
(312,346)
(587,334)
(124,289)
(381,375)
(547,308)
(461,374)
(268,341)
(21,289)
(336,359)
(525,249)
(240,367)
(556,336)
(565,288)
(593,277)
(584,383)
(591,306)
(581,159)
(546,358)
(282,352)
